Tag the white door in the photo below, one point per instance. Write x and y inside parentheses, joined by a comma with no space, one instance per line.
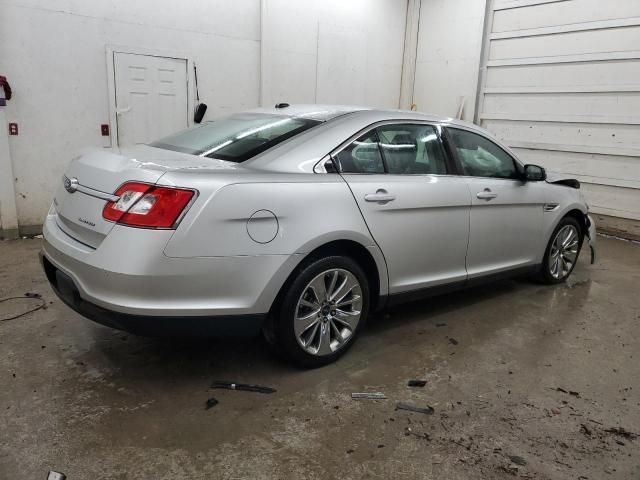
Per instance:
(151,97)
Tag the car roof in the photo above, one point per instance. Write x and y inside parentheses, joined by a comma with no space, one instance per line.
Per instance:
(321,113)
(325,113)
(338,124)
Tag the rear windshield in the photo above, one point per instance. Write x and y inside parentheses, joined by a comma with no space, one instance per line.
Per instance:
(237,137)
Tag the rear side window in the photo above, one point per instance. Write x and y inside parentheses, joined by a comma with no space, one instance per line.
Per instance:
(361,156)
(481,157)
(411,149)
(237,137)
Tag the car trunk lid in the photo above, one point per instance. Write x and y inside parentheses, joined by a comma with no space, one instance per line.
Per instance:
(92,178)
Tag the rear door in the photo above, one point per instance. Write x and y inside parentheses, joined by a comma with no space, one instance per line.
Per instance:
(151,97)
(506,213)
(416,212)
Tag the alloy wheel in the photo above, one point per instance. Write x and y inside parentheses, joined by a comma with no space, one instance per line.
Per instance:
(328,312)
(564,251)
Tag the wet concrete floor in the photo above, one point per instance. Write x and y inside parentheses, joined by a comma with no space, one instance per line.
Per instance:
(526,381)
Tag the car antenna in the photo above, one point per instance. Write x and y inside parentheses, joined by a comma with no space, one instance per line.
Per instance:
(282,105)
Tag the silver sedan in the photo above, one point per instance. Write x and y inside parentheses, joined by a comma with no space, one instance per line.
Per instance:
(298,221)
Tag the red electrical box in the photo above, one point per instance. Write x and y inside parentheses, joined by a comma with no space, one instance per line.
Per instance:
(104,128)
(13,129)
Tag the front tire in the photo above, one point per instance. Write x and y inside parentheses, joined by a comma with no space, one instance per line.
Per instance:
(321,313)
(562,252)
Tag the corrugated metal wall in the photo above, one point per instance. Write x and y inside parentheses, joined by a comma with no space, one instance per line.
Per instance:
(560,83)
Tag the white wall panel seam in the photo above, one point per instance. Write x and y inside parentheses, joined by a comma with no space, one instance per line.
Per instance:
(572,27)
(511,4)
(573,58)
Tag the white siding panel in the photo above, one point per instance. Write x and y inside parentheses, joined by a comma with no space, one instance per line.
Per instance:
(560,85)
(610,75)
(613,105)
(614,201)
(586,136)
(597,169)
(563,13)
(571,43)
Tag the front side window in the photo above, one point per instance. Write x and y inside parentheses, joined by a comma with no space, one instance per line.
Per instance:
(481,157)
(361,156)
(237,137)
(411,149)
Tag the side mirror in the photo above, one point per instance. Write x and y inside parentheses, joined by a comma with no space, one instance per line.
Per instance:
(534,173)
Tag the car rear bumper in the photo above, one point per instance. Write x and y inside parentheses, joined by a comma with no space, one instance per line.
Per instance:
(183,326)
(127,282)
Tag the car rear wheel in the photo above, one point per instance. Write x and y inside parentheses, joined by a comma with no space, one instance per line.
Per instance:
(321,313)
(562,251)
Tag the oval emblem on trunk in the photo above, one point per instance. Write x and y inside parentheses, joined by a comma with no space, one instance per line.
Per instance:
(70,184)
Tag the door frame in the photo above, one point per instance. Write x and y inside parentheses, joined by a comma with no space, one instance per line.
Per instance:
(111,50)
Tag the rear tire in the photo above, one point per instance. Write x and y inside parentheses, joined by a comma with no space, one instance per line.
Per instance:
(562,252)
(320,314)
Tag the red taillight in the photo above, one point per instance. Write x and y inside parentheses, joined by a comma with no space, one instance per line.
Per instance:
(143,205)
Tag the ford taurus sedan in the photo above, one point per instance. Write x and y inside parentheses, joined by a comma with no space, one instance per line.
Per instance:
(298,221)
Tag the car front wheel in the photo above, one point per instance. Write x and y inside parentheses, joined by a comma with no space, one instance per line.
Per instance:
(322,312)
(562,251)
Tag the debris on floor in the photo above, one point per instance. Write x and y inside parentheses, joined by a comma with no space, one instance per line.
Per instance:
(408,431)
(56,476)
(211,402)
(245,387)
(416,383)
(453,341)
(368,395)
(569,392)
(584,429)
(622,432)
(27,296)
(411,408)
(518,460)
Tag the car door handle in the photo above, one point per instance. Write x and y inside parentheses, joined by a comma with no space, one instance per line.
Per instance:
(486,194)
(381,196)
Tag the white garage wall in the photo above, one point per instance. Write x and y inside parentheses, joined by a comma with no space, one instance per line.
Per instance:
(448,56)
(54,54)
(333,51)
(562,88)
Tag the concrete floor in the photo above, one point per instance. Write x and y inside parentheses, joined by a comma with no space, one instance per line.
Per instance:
(99,404)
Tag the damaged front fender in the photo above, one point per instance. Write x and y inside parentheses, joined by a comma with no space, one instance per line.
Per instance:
(591,235)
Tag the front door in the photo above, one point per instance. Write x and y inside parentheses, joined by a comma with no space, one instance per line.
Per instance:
(505,227)
(151,97)
(416,212)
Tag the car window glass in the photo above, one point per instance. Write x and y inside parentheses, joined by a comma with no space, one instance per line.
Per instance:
(411,149)
(361,156)
(481,157)
(237,137)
